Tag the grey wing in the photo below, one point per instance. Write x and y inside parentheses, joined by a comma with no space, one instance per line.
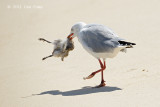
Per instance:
(99,38)
(101,28)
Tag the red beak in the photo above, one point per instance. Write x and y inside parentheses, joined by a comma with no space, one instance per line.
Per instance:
(70,36)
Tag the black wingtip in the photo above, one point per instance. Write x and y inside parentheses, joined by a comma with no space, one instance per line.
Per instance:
(126,43)
(132,43)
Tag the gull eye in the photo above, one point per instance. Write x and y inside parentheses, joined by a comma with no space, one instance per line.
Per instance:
(72,30)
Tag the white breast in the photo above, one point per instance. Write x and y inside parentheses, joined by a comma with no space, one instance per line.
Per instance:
(100,55)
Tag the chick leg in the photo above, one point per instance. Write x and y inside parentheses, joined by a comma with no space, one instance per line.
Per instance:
(47,57)
(42,39)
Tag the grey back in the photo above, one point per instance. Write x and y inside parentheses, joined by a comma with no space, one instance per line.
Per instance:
(99,38)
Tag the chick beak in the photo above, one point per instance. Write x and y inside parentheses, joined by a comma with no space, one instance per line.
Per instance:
(70,36)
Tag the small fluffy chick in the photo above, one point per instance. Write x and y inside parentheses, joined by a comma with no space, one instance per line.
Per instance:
(61,48)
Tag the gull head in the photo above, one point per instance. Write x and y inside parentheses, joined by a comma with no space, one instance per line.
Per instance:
(75,29)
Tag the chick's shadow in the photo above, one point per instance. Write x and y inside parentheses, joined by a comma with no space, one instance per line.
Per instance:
(83,91)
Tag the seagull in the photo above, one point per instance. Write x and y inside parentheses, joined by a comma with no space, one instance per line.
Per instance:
(99,41)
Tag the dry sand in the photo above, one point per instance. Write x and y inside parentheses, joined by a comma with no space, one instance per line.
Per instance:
(133,79)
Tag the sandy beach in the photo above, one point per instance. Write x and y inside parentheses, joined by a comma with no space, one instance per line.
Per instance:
(132,78)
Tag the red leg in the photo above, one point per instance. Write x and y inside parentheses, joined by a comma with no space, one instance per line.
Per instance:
(104,67)
(100,70)
(100,63)
(102,84)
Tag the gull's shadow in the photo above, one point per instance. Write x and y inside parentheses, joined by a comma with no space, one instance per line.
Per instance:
(83,91)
